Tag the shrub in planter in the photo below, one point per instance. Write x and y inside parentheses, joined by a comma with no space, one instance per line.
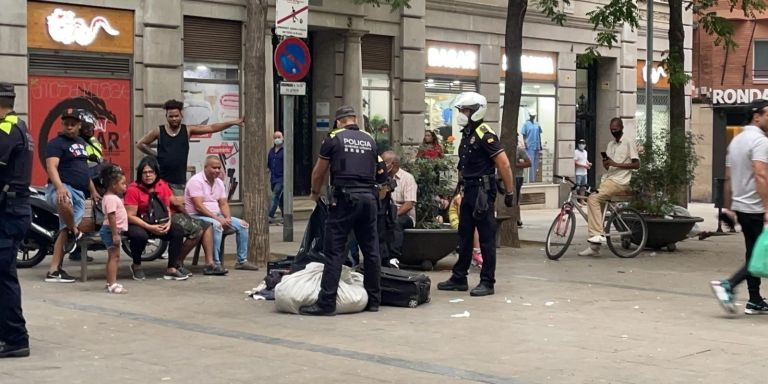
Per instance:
(662,183)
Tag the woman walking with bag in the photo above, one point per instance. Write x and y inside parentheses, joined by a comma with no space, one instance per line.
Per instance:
(147,202)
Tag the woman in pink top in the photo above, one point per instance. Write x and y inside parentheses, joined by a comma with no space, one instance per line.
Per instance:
(115,222)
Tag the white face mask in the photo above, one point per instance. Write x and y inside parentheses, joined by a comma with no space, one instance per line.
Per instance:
(582,146)
(278,141)
(462,119)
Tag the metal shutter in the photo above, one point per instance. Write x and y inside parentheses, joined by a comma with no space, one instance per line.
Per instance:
(80,63)
(449,86)
(212,40)
(377,52)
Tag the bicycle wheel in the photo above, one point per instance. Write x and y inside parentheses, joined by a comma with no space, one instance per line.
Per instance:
(626,233)
(560,233)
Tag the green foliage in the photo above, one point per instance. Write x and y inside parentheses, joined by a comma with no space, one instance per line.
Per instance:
(661,182)
(434,179)
(606,20)
(394,4)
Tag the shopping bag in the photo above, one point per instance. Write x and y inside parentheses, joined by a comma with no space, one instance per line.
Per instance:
(758,262)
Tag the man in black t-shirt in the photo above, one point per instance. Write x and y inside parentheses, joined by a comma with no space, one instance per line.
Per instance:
(69,184)
(173,145)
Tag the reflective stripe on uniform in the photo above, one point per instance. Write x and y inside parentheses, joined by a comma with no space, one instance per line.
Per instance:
(335,132)
(483,129)
(8,123)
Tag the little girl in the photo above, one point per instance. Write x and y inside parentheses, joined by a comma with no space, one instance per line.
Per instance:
(453,215)
(115,222)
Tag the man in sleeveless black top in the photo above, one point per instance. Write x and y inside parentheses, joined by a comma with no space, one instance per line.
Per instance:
(173,144)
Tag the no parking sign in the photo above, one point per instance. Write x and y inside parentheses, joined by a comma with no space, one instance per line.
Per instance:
(292,59)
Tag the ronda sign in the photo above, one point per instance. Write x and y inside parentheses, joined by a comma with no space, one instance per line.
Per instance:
(738,96)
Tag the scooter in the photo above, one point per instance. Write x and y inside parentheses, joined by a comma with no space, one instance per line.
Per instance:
(44,229)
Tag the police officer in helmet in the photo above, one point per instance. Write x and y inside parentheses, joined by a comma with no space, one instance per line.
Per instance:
(16,149)
(480,155)
(356,169)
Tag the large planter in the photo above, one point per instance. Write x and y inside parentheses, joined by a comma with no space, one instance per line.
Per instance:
(423,248)
(664,232)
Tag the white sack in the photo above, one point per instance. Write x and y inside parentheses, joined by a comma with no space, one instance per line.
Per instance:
(301,288)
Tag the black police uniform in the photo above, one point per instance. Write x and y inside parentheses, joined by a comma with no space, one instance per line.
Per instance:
(354,166)
(479,146)
(16,149)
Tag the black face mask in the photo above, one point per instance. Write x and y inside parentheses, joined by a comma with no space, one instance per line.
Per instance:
(617,134)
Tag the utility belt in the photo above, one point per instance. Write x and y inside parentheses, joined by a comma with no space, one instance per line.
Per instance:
(487,184)
(10,197)
(350,193)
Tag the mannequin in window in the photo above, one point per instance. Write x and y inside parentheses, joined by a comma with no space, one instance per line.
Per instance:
(531,132)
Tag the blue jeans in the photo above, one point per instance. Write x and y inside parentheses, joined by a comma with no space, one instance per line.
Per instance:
(534,156)
(106,236)
(277,198)
(581,180)
(78,203)
(218,230)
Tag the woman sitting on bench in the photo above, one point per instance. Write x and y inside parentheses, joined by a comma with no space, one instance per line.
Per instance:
(147,202)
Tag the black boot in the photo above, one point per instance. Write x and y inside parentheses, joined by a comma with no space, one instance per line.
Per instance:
(481,290)
(452,285)
(315,310)
(7,350)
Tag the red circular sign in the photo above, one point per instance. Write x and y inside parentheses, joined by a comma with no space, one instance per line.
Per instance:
(292,59)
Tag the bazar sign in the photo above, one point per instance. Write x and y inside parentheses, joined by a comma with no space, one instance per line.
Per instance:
(452,59)
(534,65)
(737,96)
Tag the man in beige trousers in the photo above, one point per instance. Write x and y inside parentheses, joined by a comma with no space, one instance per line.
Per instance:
(621,159)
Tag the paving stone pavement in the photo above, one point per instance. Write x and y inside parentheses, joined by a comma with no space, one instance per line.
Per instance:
(577,320)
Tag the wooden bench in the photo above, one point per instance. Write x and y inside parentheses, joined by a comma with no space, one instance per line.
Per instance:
(84,243)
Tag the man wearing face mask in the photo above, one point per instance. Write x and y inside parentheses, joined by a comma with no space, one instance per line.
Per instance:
(480,155)
(275,165)
(621,158)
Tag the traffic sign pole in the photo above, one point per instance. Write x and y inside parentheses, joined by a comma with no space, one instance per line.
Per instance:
(288,168)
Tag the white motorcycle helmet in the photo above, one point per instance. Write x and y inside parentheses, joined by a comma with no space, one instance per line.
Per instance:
(473,101)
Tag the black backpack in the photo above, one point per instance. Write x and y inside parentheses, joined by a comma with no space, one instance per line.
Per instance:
(157,212)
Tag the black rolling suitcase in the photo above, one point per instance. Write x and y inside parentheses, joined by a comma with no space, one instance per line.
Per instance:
(404,289)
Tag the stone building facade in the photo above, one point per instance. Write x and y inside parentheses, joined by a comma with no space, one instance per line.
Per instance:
(401,68)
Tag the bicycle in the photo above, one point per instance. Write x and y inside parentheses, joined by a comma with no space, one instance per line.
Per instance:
(627,239)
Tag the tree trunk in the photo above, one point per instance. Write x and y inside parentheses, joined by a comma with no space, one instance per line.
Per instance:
(677,98)
(254,135)
(513,84)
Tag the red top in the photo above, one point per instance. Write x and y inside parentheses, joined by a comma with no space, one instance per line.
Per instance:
(138,195)
(432,152)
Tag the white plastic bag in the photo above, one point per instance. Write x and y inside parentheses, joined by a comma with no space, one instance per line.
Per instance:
(301,288)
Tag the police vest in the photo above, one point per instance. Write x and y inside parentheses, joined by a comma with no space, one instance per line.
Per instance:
(355,160)
(15,138)
(93,147)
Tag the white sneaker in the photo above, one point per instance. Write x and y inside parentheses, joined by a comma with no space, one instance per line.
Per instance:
(593,250)
(597,239)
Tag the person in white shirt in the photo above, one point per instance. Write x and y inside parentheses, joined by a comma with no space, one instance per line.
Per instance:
(746,197)
(582,165)
(621,159)
(404,197)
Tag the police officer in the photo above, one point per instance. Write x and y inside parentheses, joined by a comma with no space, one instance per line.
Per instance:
(16,149)
(355,167)
(480,154)
(92,146)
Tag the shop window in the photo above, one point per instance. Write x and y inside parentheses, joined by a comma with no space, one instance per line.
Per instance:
(660,111)
(440,113)
(537,99)
(211,95)
(760,67)
(377,108)
(211,71)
